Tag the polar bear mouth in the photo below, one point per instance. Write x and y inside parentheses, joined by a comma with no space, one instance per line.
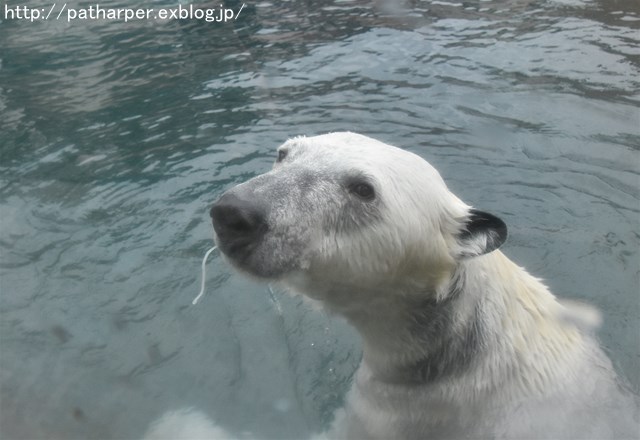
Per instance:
(250,241)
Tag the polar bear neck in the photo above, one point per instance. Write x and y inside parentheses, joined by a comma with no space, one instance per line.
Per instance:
(416,339)
(494,311)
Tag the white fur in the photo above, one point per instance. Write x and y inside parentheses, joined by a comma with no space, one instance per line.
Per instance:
(420,295)
(185,424)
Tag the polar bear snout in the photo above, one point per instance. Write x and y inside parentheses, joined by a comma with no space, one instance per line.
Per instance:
(239,225)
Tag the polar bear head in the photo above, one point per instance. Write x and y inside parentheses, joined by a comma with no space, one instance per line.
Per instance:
(343,212)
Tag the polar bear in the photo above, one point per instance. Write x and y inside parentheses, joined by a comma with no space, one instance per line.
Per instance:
(458,341)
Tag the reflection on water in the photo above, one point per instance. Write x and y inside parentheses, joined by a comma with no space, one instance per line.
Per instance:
(116,137)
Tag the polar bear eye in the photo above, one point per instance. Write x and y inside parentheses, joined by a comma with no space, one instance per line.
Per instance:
(281,155)
(363,190)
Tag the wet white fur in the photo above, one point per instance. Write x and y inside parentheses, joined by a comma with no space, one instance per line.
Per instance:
(184,424)
(539,374)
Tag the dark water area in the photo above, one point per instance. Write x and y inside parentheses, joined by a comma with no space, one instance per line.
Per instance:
(115,139)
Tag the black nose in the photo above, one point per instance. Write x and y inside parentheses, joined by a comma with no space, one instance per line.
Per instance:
(238,222)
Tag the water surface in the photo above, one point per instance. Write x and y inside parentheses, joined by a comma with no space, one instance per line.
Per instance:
(115,138)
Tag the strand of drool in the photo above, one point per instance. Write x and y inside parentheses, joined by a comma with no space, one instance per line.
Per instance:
(204,274)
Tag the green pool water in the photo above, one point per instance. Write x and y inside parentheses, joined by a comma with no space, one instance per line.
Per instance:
(116,137)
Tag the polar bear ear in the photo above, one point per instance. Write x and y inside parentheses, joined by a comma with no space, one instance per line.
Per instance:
(482,233)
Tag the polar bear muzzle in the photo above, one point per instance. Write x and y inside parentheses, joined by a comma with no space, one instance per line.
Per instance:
(239,225)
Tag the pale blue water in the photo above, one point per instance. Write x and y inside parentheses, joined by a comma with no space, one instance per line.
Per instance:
(115,138)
